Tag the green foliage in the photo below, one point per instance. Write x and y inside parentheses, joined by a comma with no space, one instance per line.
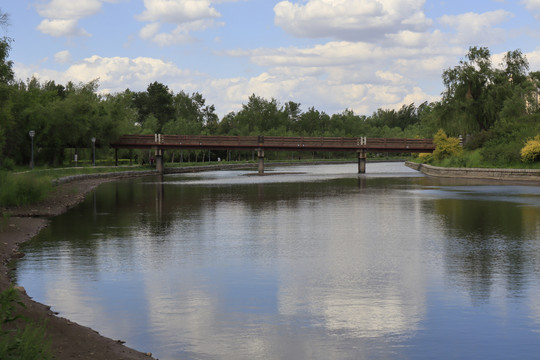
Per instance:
(445,146)
(7,164)
(26,343)
(531,151)
(21,189)
(477,140)
(478,95)
(504,146)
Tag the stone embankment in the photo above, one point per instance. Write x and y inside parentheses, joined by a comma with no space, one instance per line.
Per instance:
(529,175)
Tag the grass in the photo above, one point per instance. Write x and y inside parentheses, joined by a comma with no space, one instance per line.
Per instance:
(22,189)
(22,343)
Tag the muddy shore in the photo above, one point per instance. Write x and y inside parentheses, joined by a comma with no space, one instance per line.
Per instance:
(68,339)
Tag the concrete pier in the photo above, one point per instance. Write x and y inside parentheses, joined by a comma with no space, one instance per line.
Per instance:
(362,161)
(260,155)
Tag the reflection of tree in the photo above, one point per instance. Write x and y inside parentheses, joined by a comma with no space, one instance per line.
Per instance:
(487,240)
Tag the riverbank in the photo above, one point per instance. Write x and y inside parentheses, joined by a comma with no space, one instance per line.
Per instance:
(68,339)
(520,175)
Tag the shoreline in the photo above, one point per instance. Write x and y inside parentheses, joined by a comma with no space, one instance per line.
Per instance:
(511,175)
(68,340)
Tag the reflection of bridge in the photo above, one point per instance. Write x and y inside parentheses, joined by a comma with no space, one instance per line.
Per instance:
(360,145)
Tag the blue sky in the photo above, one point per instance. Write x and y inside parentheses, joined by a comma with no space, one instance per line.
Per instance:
(328,54)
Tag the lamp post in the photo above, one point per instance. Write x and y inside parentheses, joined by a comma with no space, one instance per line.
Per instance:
(93,151)
(32,133)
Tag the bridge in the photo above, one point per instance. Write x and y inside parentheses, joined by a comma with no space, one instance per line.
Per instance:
(360,145)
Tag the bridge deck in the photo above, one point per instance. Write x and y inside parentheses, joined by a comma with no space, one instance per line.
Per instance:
(284,143)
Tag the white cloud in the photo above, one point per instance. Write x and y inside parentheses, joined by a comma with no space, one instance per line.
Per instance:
(62,57)
(188,15)
(533,6)
(352,20)
(61,16)
(332,88)
(474,28)
(60,27)
(177,11)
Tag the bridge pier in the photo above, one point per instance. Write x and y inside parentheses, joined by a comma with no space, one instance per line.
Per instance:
(362,161)
(260,155)
(159,161)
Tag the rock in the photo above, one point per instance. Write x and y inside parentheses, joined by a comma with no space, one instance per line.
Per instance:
(20,289)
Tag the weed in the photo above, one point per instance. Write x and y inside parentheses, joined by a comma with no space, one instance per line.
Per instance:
(26,343)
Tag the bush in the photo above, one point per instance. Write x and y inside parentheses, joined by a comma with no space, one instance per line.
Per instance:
(502,154)
(425,158)
(531,151)
(477,140)
(445,146)
(22,189)
(8,164)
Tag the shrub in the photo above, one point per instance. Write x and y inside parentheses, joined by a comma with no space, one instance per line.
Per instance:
(477,140)
(425,157)
(445,146)
(21,189)
(8,164)
(531,151)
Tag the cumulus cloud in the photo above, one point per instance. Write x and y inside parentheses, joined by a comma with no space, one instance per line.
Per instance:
(187,15)
(61,27)
(532,5)
(474,28)
(62,57)
(61,16)
(352,20)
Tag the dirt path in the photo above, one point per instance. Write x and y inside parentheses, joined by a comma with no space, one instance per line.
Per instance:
(69,340)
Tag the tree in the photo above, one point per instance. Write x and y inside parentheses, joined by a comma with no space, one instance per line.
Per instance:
(476,92)
(464,98)
(6,78)
(157,101)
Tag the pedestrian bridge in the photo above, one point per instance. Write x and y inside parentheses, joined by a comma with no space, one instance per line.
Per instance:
(360,145)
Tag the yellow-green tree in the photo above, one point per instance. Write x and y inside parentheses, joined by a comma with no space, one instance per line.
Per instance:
(445,146)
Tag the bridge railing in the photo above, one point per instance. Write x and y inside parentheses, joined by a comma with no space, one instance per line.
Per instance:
(275,143)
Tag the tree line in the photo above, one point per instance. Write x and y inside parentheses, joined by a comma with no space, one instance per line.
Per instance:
(480,101)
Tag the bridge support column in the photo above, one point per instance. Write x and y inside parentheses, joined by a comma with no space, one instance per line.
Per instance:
(159,161)
(362,161)
(260,154)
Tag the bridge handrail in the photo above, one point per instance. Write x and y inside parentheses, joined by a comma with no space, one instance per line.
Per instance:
(285,142)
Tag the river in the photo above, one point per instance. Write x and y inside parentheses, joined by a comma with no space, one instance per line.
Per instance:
(308,262)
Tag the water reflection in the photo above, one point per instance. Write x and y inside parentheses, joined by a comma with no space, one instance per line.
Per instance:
(490,236)
(322,263)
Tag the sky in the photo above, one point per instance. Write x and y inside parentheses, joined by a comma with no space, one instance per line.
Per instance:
(331,55)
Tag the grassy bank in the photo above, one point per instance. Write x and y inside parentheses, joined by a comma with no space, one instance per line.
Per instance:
(23,189)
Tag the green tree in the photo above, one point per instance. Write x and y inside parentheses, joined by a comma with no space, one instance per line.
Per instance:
(6,77)
(157,101)
(476,93)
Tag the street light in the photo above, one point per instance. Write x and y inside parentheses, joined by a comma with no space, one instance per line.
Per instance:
(32,133)
(93,151)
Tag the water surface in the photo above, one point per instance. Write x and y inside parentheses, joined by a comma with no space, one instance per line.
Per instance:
(315,262)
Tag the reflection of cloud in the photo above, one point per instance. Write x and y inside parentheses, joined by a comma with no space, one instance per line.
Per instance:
(368,284)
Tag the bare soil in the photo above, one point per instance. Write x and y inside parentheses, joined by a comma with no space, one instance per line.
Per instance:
(69,340)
